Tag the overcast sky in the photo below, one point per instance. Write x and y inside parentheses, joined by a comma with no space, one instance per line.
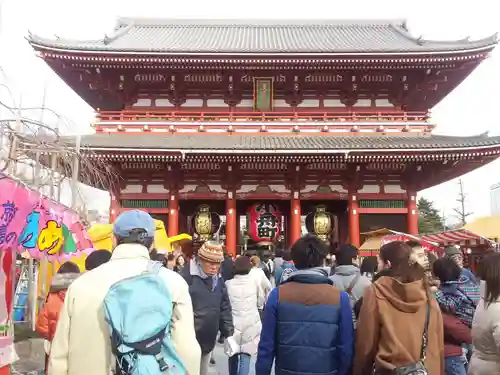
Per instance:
(471,109)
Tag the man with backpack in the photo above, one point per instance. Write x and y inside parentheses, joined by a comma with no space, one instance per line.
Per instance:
(347,276)
(212,309)
(129,316)
(286,269)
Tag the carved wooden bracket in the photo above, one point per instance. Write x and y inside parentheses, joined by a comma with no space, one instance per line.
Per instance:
(173,177)
(353,177)
(348,98)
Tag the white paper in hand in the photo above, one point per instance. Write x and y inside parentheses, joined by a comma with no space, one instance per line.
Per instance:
(231,347)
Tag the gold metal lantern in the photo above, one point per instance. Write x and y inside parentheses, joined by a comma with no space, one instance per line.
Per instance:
(203,223)
(322,223)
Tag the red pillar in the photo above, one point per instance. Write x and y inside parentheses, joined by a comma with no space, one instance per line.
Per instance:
(238,230)
(412,216)
(114,208)
(353,215)
(295,219)
(173,215)
(231,235)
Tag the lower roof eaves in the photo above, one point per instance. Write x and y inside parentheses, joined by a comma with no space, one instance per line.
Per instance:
(231,143)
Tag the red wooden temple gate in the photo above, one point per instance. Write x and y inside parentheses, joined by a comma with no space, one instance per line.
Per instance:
(309,116)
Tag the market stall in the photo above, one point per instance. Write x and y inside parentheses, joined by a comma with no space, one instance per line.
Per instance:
(374,240)
(472,244)
(34,224)
(462,237)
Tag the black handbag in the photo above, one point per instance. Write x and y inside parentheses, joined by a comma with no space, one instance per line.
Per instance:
(416,368)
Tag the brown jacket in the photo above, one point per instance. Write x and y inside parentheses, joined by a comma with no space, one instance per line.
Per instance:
(390,328)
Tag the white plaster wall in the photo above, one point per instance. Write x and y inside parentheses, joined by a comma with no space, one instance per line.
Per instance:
(132,189)
(142,102)
(163,103)
(393,189)
(370,189)
(157,188)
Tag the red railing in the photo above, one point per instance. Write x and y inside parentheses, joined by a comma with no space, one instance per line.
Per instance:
(189,116)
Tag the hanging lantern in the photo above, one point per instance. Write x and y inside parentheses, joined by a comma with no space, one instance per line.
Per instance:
(320,223)
(264,222)
(205,223)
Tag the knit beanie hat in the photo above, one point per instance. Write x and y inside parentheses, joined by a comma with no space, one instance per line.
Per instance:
(211,252)
(451,251)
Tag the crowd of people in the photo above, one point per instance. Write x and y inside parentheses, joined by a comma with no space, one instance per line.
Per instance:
(310,310)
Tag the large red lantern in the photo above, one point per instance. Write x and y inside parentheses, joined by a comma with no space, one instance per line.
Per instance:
(264,222)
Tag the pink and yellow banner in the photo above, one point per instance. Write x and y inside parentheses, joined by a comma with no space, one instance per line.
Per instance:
(31,222)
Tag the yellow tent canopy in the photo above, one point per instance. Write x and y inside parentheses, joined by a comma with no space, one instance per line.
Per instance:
(488,226)
(101,237)
(371,245)
(379,232)
(372,241)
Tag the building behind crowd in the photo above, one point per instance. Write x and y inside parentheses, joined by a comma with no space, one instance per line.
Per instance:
(289,123)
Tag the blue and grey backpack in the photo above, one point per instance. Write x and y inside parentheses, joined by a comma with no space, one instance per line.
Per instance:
(139,312)
(286,271)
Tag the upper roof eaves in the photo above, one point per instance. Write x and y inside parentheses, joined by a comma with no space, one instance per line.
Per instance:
(254,37)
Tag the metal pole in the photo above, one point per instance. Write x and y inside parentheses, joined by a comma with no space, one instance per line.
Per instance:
(13,147)
(32,274)
(75,172)
(44,263)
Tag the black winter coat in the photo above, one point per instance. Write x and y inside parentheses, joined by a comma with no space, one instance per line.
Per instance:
(212,310)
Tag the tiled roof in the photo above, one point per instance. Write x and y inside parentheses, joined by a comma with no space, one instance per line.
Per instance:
(259,36)
(166,142)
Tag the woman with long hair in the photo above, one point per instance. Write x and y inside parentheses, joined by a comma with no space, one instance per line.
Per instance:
(369,267)
(399,324)
(180,262)
(262,281)
(486,324)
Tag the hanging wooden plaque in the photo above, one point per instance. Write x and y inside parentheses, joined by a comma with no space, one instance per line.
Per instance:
(263,94)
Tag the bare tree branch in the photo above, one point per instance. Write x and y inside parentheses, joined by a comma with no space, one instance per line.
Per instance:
(29,140)
(461,213)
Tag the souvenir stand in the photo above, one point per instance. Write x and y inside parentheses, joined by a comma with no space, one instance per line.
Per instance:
(473,245)
(374,240)
(34,224)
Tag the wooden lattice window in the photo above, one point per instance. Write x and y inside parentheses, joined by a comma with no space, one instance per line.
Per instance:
(379,203)
(144,203)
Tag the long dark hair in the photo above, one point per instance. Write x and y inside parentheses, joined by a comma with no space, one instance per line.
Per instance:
(369,265)
(490,273)
(69,267)
(403,267)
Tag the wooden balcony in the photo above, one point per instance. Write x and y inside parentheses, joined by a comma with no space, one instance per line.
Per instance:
(191,121)
(208,116)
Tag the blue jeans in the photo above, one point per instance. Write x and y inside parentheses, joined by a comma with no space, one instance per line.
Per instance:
(454,366)
(239,364)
